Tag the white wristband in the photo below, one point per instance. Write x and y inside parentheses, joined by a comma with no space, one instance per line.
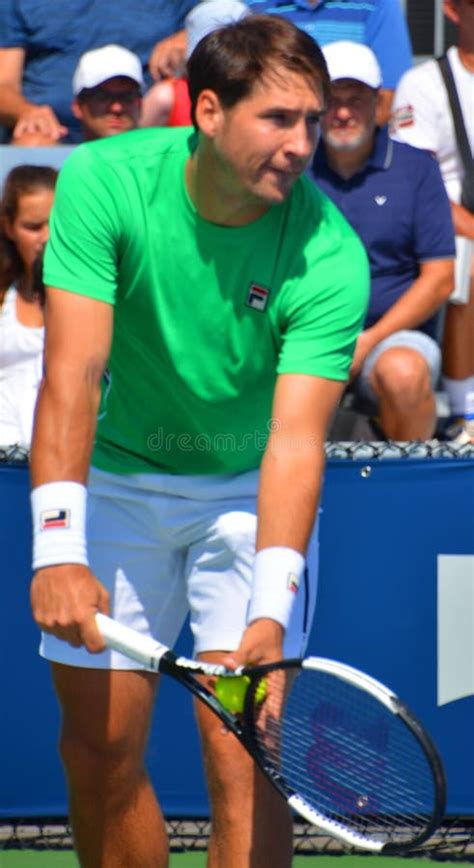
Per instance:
(59,524)
(277,573)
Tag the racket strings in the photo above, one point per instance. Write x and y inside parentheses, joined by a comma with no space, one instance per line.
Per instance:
(346,755)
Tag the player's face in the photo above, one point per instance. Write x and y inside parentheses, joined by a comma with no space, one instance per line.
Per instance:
(265,142)
(111,108)
(350,118)
(29,229)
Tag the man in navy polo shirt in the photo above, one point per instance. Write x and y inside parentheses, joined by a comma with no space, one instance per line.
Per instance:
(393,196)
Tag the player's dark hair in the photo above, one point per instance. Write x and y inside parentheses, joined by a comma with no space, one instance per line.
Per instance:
(231,59)
(20,181)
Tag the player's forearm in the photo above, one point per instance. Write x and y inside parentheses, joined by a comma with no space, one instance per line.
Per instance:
(419,302)
(289,492)
(64,429)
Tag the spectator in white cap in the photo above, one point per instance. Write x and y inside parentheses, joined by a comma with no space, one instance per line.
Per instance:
(168,102)
(107,86)
(393,196)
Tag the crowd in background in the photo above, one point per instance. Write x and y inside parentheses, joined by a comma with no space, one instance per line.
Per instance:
(124,69)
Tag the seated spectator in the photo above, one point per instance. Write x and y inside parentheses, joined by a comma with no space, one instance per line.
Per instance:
(40,46)
(422,117)
(167,103)
(107,91)
(380,24)
(24,214)
(393,196)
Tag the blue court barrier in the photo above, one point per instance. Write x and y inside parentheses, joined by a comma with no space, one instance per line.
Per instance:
(396,599)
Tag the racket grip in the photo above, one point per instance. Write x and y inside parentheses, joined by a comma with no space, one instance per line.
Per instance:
(142,649)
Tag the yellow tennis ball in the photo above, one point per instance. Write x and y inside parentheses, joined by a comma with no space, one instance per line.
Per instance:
(261,691)
(231,690)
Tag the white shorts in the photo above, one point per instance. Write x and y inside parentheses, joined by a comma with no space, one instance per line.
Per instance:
(165,545)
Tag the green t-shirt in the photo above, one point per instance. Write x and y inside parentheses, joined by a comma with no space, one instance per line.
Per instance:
(205,315)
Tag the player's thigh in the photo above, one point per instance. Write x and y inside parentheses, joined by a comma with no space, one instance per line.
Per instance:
(104,712)
(219,572)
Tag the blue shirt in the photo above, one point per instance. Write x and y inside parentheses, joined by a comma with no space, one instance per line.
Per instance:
(54,33)
(380,24)
(399,207)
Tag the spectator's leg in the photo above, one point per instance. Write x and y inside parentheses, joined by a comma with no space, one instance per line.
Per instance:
(115,817)
(401,381)
(458,352)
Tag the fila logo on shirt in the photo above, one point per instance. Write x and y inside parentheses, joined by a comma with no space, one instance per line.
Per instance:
(257,297)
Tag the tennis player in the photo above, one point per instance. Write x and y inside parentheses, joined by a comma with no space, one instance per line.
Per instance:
(221,295)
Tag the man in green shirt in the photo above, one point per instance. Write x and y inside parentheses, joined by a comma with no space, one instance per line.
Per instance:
(222,296)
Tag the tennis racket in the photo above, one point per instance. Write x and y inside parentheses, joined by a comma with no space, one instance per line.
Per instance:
(341,748)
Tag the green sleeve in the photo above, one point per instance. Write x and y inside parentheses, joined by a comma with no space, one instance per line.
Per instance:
(81,255)
(325,310)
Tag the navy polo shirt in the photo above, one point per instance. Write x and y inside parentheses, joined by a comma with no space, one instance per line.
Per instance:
(399,207)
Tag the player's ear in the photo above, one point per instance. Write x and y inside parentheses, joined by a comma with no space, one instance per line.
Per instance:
(208,112)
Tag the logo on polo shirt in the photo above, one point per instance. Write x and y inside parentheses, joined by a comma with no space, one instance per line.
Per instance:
(257,297)
(380,200)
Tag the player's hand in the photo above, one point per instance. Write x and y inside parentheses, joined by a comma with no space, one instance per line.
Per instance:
(65,599)
(168,57)
(40,120)
(262,642)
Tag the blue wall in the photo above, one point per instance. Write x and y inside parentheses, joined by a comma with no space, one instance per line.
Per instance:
(380,537)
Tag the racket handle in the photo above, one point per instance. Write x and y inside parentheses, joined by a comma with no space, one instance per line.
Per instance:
(141,649)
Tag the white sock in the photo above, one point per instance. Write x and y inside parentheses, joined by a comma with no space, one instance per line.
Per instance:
(457,391)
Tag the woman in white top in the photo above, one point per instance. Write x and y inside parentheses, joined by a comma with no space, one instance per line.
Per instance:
(24,214)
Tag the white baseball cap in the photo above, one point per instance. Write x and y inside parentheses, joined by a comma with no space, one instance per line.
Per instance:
(354,61)
(100,64)
(210,15)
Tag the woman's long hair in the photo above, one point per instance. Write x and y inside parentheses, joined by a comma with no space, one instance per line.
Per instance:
(20,181)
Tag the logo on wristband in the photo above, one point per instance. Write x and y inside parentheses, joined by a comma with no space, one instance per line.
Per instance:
(293,583)
(55,518)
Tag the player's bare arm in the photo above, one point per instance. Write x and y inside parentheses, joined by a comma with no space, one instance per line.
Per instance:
(66,596)
(290,486)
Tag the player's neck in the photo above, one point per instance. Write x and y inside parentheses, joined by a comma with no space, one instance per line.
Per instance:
(215,196)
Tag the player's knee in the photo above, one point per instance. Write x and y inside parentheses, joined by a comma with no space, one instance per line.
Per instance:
(402,375)
(96,763)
